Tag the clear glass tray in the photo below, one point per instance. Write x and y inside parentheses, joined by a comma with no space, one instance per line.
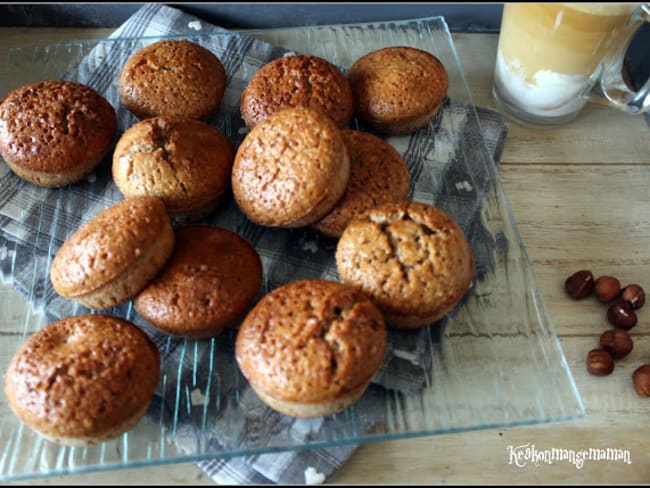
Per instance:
(495,362)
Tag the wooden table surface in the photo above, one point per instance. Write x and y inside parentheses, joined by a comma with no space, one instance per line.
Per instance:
(581,196)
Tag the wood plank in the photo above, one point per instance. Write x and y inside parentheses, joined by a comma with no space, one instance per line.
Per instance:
(566,228)
(614,416)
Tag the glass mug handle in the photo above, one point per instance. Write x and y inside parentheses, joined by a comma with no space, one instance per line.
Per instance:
(612,88)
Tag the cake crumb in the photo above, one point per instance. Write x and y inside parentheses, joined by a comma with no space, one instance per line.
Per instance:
(313,477)
(195,24)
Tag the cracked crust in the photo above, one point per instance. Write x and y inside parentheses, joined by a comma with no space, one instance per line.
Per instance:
(411,258)
(300,80)
(291,169)
(378,174)
(176,78)
(207,285)
(54,133)
(184,162)
(398,90)
(110,258)
(311,347)
(83,380)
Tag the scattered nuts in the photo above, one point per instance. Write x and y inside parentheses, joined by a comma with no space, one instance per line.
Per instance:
(607,288)
(617,342)
(641,379)
(633,294)
(601,363)
(621,315)
(579,284)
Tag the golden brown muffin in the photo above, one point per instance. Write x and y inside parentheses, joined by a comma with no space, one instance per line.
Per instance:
(184,162)
(378,174)
(54,133)
(83,380)
(310,348)
(110,258)
(297,81)
(410,258)
(174,77)
(209,282)
(291,169)
(398,90)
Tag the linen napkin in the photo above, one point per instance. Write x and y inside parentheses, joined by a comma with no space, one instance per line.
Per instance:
(442,175)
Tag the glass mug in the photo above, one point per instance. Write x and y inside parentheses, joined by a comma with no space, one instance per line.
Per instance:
(554,57)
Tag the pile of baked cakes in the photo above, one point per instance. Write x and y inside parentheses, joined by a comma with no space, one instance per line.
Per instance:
(308,347)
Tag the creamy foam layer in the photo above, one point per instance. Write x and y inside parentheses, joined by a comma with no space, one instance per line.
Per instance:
(551,94)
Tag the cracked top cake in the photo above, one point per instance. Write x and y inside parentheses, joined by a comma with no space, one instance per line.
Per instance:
(310,347)
(54,133)
(184,162)
(172,77)
(411,258)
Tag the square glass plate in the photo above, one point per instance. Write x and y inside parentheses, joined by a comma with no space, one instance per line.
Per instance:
(494,362)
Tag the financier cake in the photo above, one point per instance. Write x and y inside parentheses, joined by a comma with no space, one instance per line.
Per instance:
(184,162)
(173,77)
(111,257)
(83,380)
(398,90)
(298,81)
(310,348)
(378,174)
(209,282)
(291,169)
(411,258)
(54,133)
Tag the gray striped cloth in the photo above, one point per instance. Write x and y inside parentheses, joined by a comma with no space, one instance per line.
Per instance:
(34,222)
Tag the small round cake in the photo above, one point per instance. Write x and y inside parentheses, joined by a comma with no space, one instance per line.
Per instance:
(410,258)
(398,90)
(209,283)
(298,81)
(310,348)
(83,380)
(55,133)
(378,174)
(184,162)
(110,258)
(291,169)
(173,77)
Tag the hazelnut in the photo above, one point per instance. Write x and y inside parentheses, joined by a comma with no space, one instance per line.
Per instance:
(579,284)
(617,342)
(600,362)
(621,315)
(641,379)
(607,288)
(633,294)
